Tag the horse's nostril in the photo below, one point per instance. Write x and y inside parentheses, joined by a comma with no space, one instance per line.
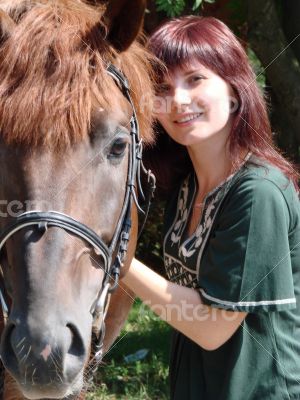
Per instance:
(8,353)
(76,354)
(77,347)
(48,360)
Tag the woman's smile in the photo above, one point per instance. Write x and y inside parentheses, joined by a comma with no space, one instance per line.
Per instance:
(188,119)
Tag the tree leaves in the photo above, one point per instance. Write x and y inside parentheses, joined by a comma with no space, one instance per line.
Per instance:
(197,4)
(174,8)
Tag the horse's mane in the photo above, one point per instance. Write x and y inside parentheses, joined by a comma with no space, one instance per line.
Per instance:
(52,72)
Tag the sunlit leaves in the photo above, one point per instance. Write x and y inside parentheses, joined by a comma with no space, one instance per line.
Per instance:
(174,8)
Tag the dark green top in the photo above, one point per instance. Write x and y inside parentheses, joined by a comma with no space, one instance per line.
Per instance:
(243,256)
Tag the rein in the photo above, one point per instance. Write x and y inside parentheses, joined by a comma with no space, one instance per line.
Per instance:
(112,255)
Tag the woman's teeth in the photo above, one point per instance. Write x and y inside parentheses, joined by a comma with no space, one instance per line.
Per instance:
(188,118)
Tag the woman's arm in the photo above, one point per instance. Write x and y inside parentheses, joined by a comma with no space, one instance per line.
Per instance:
(182,307)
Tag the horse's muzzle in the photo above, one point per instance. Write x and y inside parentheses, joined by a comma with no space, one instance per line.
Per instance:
(46,363)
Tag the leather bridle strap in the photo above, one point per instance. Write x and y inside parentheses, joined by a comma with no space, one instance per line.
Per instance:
(114,254)
(52,218)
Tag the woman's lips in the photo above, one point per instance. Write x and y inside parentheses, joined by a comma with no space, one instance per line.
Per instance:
(187,118)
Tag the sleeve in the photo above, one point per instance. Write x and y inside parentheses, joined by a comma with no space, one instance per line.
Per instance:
(246,265)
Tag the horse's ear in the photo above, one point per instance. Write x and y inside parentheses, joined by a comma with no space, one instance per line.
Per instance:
(124,19)
(7,25)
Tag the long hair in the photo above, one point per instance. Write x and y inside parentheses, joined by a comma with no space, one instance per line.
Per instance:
(53,73)
(209,41)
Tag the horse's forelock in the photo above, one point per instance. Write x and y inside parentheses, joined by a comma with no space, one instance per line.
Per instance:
(53,69)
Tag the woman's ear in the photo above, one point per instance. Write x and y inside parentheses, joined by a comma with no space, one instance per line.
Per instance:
(124,19)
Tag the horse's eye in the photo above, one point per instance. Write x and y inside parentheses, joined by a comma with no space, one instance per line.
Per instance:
(118,148)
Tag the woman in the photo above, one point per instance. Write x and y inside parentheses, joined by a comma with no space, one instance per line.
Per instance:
(232,226)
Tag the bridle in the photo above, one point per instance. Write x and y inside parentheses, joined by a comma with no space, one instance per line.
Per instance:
(112,255)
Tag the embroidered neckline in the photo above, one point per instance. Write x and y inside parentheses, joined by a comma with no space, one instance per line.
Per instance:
(187,246)
(182,256)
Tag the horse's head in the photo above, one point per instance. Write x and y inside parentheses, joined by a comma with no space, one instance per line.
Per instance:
(65,145)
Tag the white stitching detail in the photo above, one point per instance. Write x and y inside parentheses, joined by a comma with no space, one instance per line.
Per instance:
(248,303)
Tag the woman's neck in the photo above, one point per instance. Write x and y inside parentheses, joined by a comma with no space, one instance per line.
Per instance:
(212,165)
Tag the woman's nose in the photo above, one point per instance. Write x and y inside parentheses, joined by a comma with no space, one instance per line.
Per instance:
(181,97)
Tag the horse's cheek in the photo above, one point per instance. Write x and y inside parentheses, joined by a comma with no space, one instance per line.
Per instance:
(123,298)
(120,305)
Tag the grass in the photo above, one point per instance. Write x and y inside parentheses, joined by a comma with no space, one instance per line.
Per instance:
(145,379)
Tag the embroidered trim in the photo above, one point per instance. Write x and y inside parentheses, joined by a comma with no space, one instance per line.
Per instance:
(209,226)
(171,259)
(248,303)
(189,251)
(182,214)
(178,273)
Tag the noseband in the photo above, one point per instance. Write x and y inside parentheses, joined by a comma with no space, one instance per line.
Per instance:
(112,255)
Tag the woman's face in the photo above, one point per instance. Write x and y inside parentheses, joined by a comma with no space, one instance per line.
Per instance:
(195,105)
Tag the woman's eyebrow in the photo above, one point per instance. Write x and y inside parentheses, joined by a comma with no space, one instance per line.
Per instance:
(192,71)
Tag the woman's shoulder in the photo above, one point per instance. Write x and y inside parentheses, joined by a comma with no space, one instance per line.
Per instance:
(261,177)
(259,183)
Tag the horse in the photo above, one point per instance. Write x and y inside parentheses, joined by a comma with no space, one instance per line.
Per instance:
(73,75)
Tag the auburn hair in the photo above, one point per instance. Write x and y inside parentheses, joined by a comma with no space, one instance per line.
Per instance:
(53,72)
(209,41)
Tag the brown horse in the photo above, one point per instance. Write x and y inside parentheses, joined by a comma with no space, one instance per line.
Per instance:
(65,140)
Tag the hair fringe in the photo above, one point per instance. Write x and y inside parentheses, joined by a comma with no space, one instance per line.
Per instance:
(53,73)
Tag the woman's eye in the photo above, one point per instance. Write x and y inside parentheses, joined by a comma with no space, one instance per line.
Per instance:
(163,89)
(118,148)
(196,78)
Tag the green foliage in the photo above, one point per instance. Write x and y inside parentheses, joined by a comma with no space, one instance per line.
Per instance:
(258,68)
(174,8)
(198,3)
(142,380)
(146,379)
